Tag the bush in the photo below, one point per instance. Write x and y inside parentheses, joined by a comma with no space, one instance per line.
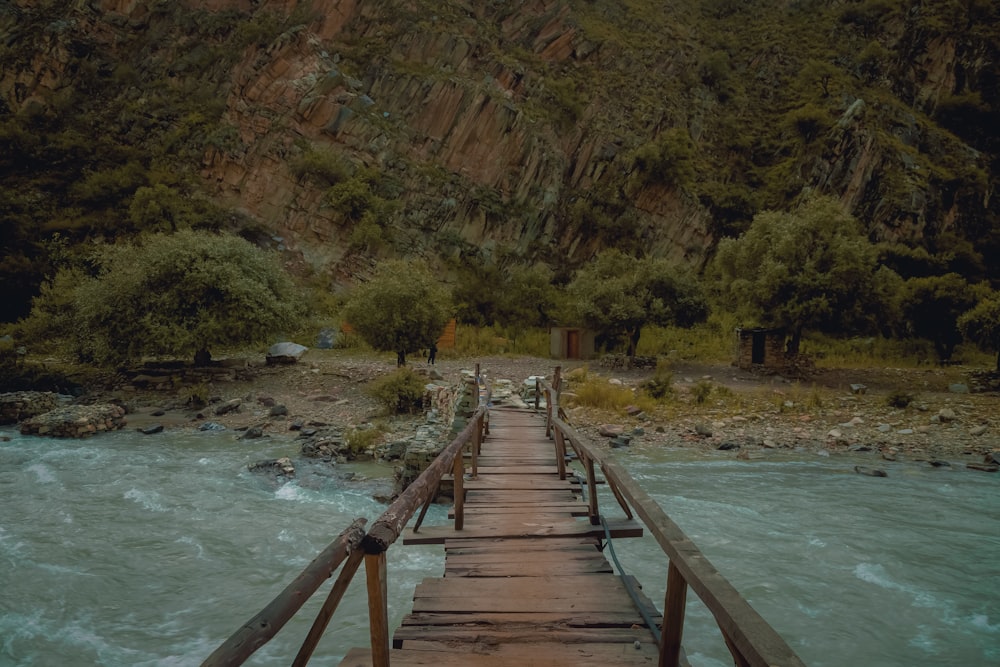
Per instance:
(324,166)
(360,440)
(660,386)
(401,392)
(899,398)
(701,391)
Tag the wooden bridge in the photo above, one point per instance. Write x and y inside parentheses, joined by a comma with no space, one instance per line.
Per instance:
(526,580)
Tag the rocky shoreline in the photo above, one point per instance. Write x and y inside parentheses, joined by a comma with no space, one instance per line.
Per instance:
(320,400)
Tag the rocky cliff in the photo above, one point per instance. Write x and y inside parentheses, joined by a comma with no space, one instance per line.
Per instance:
(350,130)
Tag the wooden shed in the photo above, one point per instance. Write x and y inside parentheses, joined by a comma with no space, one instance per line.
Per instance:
(760,349)
(571,343)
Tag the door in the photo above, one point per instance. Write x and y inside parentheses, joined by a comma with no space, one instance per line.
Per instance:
(758,347)
(572,344)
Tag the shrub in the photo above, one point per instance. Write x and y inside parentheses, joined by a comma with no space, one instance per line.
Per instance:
(323,165)
(899,398)
(660,386)
(701,391)
(399,392)
(360,440)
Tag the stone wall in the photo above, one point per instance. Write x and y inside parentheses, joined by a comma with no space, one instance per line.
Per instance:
(76,421)
(19,405)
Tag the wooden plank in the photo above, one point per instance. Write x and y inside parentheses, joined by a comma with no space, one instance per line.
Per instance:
(584,655)
(508,569)
(522,634)
(462,545)
(595,604)
(549,469)
(553,586)
(605,619)
(514,482)
(555,556)
(551,652)
(567,494)
(568,528)
(486,511)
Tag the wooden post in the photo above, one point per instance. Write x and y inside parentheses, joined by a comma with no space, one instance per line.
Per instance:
(595,516)
(458,472)
(673,618)
(477,438)
(378,608)
(738,659)
(560,453)
(329,606)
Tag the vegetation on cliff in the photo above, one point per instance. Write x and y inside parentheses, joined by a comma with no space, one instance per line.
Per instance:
(506,144)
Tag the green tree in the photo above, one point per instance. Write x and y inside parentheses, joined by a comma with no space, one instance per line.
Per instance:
(174,294)
(617,295)
(403,308)
(981,324)
(528,299)
(931,307)
(812,267)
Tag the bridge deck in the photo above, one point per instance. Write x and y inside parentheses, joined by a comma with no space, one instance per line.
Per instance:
(525,583)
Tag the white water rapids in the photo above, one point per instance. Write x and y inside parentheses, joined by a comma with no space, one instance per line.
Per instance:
(127,550)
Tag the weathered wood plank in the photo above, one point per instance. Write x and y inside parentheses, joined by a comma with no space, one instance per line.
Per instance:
(462,545)
(594,604)
(568,528)
(518,469)
(553,655)
(555,652)
(514,482)
(493,511)
(521,635)
(573,619)
(554,586)
(508,569)
(555,556)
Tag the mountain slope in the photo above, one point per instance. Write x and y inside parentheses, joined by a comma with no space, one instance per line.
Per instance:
(343,131)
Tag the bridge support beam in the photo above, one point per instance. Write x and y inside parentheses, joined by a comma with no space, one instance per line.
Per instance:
(378,607)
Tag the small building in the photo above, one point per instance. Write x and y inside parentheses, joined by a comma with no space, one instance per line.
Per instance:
(760,348)
(571,343)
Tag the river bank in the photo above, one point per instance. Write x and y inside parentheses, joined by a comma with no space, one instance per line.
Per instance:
(711,407)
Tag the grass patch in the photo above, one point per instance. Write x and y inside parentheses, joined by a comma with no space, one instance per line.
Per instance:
(713,341)
(473,342)
(597,392)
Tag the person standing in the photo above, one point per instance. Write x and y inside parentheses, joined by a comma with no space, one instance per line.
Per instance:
(432,354)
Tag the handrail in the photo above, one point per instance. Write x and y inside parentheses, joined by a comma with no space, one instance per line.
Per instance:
(347,549)
(750,639)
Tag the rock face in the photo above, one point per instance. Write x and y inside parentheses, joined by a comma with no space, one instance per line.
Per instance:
(76,421)
(514,127)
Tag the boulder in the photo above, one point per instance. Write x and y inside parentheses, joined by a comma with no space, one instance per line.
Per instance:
(871,472)
(285,353)
(279,467)
(211,426)
(611,430)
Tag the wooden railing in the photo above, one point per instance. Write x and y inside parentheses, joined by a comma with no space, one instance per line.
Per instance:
(349,549)
(750,639)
